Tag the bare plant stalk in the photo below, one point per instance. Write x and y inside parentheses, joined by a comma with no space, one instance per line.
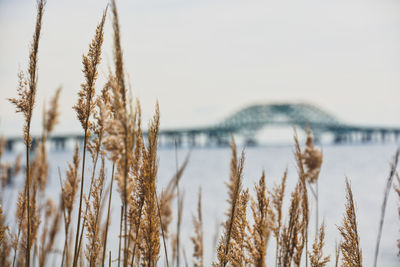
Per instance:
(178,225)
(120,233)
(337,254)
(108,214)
(389,182)
(277,196)
(90,193)
(197,239)
(162,229)
(317,207)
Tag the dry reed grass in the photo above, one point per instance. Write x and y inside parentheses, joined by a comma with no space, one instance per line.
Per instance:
(197,239)
(112,129)
(350,246)
(25,103)
(316,255)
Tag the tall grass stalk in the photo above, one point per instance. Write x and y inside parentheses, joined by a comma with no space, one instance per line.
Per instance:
(162,229)
(179,209)
(108,215)
(25,104)
(389,181)
(84,109)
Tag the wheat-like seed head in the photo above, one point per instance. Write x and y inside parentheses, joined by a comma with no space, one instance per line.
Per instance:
(277,194)
(26,89)
(316,255)
(40,167)
(53,112)
(234,191)
(350,245)
(150,226)
(70,186)
(5,241)
(118,57)
(312,159)
(291,239)
(90,62)
(261,229)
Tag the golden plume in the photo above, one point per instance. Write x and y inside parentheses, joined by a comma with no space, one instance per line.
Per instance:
(350,246)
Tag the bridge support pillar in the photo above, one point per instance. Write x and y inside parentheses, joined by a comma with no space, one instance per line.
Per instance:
(9,145)
(59,144)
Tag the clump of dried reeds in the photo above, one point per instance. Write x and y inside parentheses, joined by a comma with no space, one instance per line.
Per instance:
(150,232)
(350,245)
(115,126)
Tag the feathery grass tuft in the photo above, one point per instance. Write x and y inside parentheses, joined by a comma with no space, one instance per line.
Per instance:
(316,255)
(263,224)
(350,245)
(85,106)
(25,103)
(224,253)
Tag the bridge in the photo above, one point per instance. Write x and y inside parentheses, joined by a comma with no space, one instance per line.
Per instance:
(250,120)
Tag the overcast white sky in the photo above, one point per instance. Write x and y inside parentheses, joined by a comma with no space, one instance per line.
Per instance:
(203,59)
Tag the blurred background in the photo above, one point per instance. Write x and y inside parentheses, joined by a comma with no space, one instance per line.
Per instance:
(205,59)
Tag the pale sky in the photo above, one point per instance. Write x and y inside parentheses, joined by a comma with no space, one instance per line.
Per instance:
(204,59)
